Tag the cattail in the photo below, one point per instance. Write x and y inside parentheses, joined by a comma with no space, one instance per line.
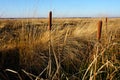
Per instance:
(106,21)
(99,30)
(50,21)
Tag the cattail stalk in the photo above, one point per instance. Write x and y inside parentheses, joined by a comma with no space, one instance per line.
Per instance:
(50,60)
(106,21)
(50,21)
(99,30)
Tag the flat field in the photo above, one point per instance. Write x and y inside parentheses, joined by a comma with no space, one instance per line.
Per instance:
(70,51)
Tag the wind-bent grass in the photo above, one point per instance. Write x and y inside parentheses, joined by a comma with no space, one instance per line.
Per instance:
(75,52)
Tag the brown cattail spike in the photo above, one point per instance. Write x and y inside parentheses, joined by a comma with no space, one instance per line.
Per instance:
(50,21)
(106,21)
(99,30)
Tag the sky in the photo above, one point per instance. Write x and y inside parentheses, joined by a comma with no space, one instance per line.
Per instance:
(59,8)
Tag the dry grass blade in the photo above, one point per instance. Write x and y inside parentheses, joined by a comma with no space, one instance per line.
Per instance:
(12,71)
(41,74)
(95,59)
(29,74)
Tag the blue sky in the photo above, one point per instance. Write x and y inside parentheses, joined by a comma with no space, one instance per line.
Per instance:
(60,8)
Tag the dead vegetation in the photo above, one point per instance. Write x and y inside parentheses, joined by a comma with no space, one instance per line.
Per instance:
(69,52)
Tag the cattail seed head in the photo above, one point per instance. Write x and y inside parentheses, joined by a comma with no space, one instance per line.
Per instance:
(106,19)
(50,21)
(106,22)
(99,30)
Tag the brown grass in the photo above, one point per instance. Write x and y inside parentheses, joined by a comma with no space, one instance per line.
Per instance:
(73,47)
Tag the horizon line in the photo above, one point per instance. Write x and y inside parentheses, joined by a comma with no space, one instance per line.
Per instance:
(47,17)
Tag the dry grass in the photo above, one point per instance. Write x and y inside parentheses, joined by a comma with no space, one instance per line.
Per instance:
(69,52)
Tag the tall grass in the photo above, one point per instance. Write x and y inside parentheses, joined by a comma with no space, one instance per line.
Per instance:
(75,52)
